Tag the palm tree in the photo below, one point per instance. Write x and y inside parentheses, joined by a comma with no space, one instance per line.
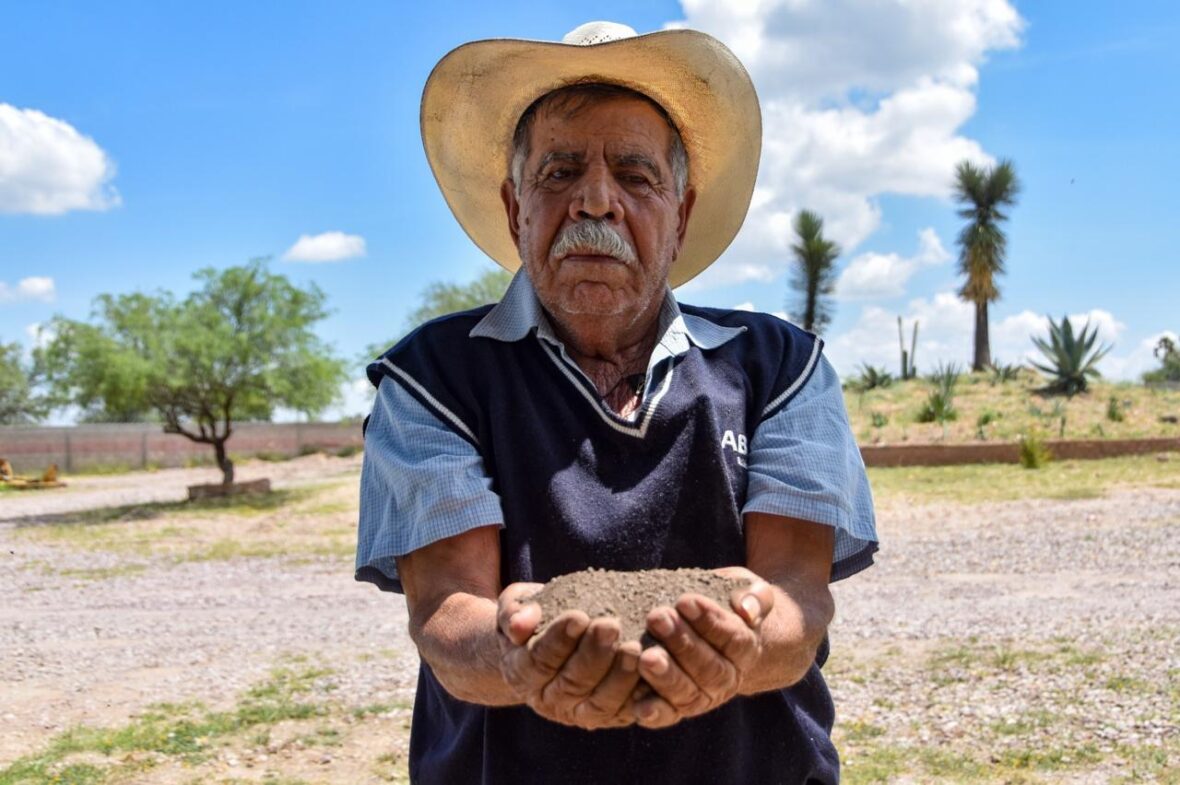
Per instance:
(814,277)
(982,243)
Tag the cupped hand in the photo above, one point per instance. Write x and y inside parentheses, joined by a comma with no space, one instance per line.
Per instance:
(704,652)
(575,671)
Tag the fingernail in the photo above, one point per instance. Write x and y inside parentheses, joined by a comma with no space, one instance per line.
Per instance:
(645,710)
(660,666)
(690,611)
(573,628)
(751,606)
(663,624)
(606,636)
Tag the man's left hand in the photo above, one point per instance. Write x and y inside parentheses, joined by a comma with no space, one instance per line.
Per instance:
(705,652)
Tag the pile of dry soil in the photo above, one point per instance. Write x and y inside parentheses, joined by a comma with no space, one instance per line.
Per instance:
(629,596)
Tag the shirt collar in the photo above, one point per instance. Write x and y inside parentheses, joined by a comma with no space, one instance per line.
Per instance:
(519,312)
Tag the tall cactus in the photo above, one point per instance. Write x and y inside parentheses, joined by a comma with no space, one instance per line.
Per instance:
(908,368)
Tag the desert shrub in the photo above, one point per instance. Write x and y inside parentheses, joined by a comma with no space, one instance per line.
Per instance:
(348,450)
(1114,409)
(879,419)
(1034,453)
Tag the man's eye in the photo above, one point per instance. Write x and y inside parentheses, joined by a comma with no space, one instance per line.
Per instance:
(560,174)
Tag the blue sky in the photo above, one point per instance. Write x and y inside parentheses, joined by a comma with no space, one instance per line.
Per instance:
(142,141)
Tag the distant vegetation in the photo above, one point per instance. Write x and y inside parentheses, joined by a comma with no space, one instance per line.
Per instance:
(981,408)
(235,349)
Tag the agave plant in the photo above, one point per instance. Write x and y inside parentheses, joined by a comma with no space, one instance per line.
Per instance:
(1002,374)
(1071,358)
(871,378)
(940,401)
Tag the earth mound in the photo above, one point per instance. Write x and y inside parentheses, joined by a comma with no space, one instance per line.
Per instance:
(629,596)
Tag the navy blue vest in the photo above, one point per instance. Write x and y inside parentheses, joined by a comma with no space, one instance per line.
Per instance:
(583,488)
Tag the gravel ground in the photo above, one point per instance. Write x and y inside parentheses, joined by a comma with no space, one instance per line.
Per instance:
(958,628)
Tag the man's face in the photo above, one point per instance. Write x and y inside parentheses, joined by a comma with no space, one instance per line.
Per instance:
(608,163)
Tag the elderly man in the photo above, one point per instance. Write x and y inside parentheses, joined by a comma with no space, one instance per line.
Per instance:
(589,420)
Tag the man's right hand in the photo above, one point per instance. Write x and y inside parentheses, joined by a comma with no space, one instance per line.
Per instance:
(575,672)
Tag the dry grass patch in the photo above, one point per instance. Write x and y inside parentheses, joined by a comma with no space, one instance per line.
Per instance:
(996,482)
(307,522)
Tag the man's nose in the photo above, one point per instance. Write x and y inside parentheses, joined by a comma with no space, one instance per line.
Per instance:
(596,197)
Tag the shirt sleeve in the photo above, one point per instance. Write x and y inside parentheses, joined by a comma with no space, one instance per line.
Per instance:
(420,482)
(804,463)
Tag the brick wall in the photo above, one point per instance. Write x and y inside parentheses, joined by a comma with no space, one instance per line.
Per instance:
(134,445)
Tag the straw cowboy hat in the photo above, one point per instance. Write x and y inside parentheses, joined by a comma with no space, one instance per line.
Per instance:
(477,93)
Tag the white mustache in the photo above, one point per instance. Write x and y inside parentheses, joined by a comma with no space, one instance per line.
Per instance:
(592,237)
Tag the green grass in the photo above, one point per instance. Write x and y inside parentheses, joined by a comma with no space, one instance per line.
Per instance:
(188,733)
(995,482)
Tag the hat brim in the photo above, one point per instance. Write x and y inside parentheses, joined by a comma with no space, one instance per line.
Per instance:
(477,93)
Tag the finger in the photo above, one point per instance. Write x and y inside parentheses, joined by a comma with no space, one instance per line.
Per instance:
(520,625)
(586,667)
(710,670)
(671,683)
(531,666)
(654,712)
(609,700)
(722,630)
(753,603)
(512,601)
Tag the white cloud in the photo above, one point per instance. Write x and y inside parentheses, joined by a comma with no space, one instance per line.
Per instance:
(873,276)
(32,288)
(858,100)
(47,167)
(746,306)
(326,247)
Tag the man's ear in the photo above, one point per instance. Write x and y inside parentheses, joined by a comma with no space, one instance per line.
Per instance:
(512,208)
(684,213)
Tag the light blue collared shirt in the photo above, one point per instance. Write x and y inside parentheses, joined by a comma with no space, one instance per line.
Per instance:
(421,482)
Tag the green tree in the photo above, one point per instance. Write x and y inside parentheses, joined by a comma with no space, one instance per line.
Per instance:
(235,349)
(19,401)
(441,298)
(814,275)
(982,243)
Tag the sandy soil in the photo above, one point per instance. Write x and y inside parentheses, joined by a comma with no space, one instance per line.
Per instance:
(628,596)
